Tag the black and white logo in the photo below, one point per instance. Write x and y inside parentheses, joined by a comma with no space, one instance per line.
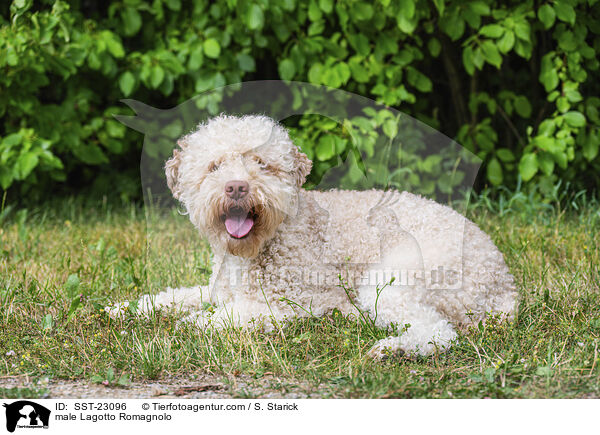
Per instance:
(26,414)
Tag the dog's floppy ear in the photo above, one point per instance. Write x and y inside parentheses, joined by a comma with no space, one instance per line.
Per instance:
(302,166)
(172,170)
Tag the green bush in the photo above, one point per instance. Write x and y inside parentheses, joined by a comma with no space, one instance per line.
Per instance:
(515,82)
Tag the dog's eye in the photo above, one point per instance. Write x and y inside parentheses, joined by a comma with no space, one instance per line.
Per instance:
(212,167)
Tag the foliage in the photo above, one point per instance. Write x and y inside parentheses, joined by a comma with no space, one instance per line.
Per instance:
(514,82)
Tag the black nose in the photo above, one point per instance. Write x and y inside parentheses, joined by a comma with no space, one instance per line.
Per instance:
(237,189)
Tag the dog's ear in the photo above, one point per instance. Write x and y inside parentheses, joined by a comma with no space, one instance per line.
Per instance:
(172,170)
(302,166)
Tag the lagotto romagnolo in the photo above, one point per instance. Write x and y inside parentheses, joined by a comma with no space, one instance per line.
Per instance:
(280,251)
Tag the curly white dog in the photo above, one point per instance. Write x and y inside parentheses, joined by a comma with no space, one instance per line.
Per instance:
(280,251)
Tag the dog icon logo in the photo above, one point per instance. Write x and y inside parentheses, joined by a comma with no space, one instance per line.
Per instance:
(26,414)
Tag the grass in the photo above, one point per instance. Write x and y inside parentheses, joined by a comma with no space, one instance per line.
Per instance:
(60,264)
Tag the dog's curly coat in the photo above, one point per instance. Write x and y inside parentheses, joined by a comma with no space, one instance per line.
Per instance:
(277,247)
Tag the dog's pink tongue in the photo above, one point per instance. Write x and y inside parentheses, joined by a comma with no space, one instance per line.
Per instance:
(238,225)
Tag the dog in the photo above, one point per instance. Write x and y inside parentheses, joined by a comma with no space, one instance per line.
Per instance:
(280,251)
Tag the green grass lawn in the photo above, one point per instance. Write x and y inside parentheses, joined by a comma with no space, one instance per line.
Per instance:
(60,264)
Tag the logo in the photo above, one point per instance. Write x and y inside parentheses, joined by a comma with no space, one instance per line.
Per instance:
(26,414)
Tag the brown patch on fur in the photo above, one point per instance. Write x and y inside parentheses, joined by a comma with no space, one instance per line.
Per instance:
(270,167)
(273,169)
(214,165)
(172,173)
(303,165)
(172,168)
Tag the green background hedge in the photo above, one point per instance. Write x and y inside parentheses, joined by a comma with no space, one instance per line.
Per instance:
(515,82)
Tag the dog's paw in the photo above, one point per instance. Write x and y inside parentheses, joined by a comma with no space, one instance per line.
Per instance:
(388,348)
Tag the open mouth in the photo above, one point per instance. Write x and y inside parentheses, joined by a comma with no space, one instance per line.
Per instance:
(239,222)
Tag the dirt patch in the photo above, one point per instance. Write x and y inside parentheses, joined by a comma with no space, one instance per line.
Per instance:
(201,387)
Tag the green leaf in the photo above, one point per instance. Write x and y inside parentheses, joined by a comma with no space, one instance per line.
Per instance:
(325,148)
(573,95)
(132,21)
(406,25)
(11,140)
(255,17)
(492,30)
(157,75)
(562,104)
(97,379)
(25,164)
(547,144)
(419,80)
(246,62)
(362,11)
(115,129)
(560,158)
(6,177)
(548,74)
(505,155)
(359,72)
(90,154)
(522,30)
(434,47)
(528,166)
(115,47)
(567,41)
(287,69)
(575,119)
(390,127)
(75,305)
(453,25)
(478,58)
(506,43)
(196,59)
(94,61)
(343,72)
(564,12)
(360,43)
(591,146)
(546,15)
(315,72)
(494,172)
(314,12)
(72,285)
(126,83)
(546,163)
(12,58)
(326,6)
(491,53)
(522,106)
(407,8)
(211,48)
(124,380)
(467,58)
(174,5)
(479,7)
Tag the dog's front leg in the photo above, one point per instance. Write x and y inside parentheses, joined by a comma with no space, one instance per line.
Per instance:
(182,299)
(239,313)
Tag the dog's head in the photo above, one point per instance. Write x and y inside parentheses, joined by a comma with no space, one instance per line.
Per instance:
(238,178)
